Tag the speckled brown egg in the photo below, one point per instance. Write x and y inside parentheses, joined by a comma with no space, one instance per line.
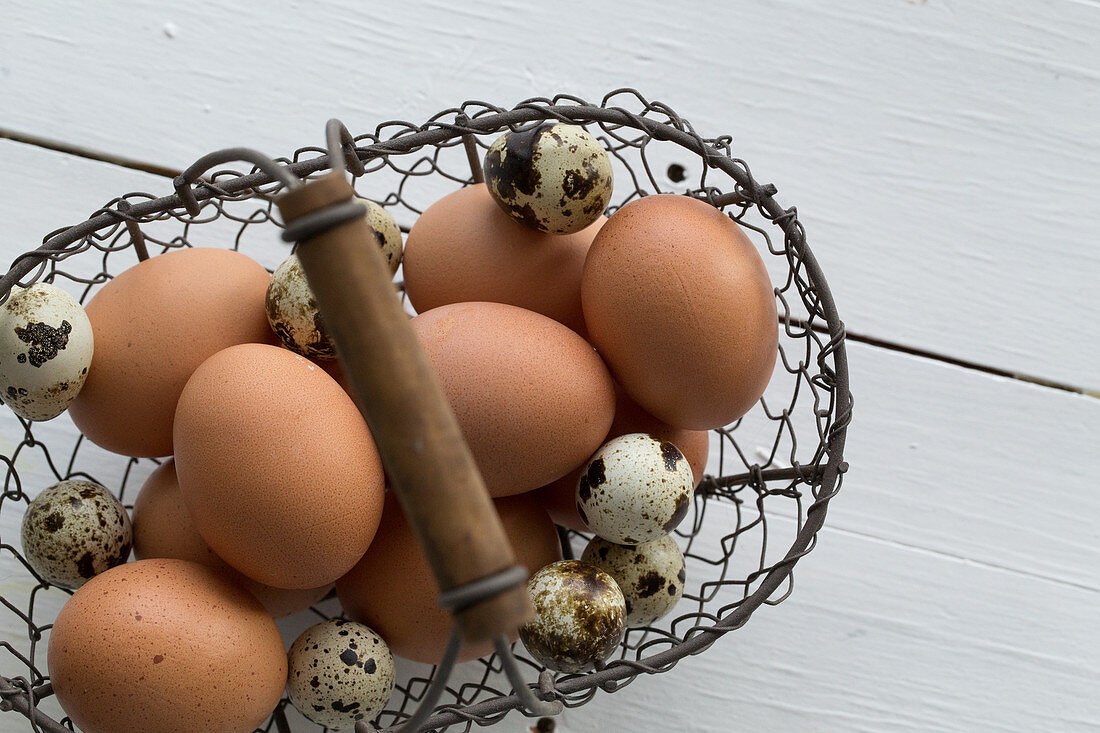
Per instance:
(291,307)
(163,528)
(464,248)
(532,398)
(75,530)
(650,575)
(339,672)
(46,349)
(580,616)
(165,646)
(154,324)
(635,489)
(279,474)
(678,302)
(392,589)
(553,178)
(560,497)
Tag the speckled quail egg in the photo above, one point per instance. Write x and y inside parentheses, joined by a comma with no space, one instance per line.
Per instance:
(74,530)
(555,177)
(650,575)
(292,309)
(339,672)
(293,314)
(45,351)
(580,616)
(635,489)
(387,231)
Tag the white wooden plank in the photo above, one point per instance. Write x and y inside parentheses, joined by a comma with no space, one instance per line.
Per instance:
(878,637)
(989,469)
(979,467)
(940,153)
(45,190)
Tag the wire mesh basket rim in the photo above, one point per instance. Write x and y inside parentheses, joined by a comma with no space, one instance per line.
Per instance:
(449,126)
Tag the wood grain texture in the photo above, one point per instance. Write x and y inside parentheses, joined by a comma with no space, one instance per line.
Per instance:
(940,153)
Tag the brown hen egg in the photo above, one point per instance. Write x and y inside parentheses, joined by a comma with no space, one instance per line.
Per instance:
(165,646)
(153,325)
(392,589)
(559,497)
(532,398)
(464,248)
(163,528)
(678,302)
(277,468)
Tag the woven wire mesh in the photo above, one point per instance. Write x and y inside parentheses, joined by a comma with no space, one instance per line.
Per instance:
(757,511)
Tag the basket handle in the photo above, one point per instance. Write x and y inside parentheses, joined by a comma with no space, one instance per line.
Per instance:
(427,459)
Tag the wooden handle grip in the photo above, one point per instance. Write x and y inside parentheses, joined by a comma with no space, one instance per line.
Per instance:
(422,448)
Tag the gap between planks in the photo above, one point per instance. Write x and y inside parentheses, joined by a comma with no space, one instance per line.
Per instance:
(160,170)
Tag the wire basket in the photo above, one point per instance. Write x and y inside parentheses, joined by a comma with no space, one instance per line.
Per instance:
(753,517)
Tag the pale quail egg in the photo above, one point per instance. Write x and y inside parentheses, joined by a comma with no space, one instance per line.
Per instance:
(555,177)
(635,488)
(293,314)
(580,616)
(387,231)
(45,351)
(75,530)
(291,307)
(339,672)
(650,575)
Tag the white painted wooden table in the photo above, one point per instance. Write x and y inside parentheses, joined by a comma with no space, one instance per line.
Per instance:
(943,157)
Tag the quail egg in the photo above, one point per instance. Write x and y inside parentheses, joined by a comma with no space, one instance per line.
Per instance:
(555,178)
(386,231)
(291,307)
(635,488)
(75,530)
(45,351)
(293,314)
(650,575)
(580,616)
(339,672)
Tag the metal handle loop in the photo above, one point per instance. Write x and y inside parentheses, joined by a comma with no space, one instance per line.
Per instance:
(339,139)
(182,182)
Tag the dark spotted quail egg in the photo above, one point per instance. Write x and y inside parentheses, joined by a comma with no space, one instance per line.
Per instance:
(580,616)
(45,351)
(555,178)
(635,489)
(292,309)
(75,530)
(339,672)
(650,575)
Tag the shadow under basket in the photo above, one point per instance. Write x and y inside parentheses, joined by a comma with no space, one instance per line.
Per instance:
(771,474)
